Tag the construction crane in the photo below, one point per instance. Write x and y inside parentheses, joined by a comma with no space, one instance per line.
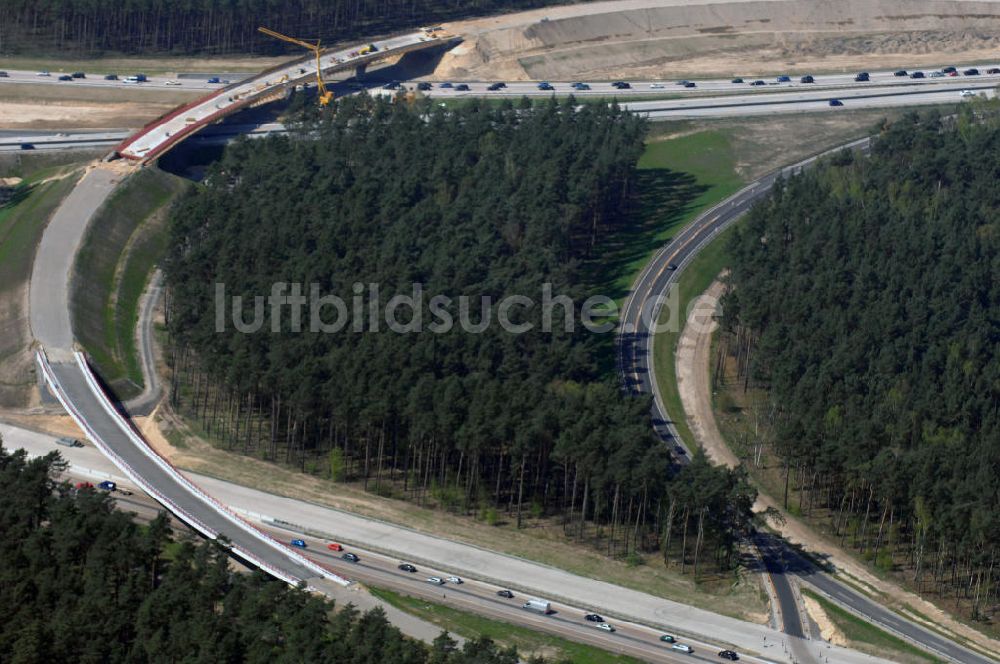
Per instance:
(325,96)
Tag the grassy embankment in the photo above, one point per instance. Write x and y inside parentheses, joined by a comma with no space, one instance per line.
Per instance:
(125,240)
(681,177)
(528,642)
(23,217)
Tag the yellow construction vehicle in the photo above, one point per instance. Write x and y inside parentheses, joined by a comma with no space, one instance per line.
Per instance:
(325,96)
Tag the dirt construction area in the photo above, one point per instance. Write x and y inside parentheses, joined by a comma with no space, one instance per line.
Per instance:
(674,38)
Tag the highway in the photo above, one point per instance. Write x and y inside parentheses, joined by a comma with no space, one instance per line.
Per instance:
(635,357)
(209,506)
(159,136)
(199,82)
(637,616)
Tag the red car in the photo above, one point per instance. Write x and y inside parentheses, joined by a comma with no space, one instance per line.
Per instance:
(333,546)
(83,485)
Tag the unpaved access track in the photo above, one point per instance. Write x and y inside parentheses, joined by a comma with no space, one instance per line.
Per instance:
(694,354)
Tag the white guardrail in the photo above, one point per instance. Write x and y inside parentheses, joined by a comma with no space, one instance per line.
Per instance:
(135,477)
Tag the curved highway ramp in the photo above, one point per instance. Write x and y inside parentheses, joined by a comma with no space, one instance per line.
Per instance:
(77,389)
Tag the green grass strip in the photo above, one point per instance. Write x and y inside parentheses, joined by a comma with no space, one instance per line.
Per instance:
(527,641)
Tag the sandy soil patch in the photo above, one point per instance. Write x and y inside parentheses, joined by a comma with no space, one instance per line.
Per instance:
(827,629)
(694,385)
(677,38)
(38,115)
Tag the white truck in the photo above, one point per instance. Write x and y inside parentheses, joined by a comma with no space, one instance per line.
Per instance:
(541,605)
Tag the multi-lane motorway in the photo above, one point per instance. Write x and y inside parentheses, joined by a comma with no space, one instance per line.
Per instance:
(85,400)
(639,618)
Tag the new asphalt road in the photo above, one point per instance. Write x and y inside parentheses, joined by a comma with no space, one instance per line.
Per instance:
(640,315)
(639,617)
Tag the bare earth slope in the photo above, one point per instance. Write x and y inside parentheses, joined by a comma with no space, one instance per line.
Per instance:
(670,38)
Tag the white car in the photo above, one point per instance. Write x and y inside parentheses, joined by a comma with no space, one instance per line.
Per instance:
(682,648)
(173,82)
(43,73)
(657,86)
(967,93)
(436,580)
(457,580)
(606,627)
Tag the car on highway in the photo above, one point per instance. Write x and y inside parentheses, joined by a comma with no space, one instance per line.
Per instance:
(937,74)
(462,87)
(215,79)
(582,87)
(493,87)
(78,74)
(967,93)
(457,580)
(298,543)
(545,85)
(807,79)
(656,86)
(917,74)
(622,85)
(690,84)
(949,70)
(68,442)
(667,638)
(681,647)
(351,557)
(173,82)
(424,86)
(737,80)
(333,546)
(131,79)
(446,85)
(784,79)
(993,70)
(862,77)
(593,617)
(43,73)
(835,102)
(4,74)
(407,567)
(436,580)
(605,626)
(83,485)
(27,146)
(971,71)
(671,266)
(953,73)
(107,485)
(729,654)
(901,73)
(111,77)
(65,77)
(757,82)
(505,594)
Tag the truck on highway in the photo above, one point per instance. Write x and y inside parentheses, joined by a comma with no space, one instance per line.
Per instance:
(541,605)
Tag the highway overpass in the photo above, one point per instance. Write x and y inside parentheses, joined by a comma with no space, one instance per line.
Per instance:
(159,136)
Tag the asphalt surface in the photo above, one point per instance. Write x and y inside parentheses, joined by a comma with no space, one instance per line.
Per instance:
(632,612)
(155,138)
(86,407)
(642,310)
(49,287)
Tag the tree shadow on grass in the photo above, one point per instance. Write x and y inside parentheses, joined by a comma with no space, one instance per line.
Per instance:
(11,197)
(664,199)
